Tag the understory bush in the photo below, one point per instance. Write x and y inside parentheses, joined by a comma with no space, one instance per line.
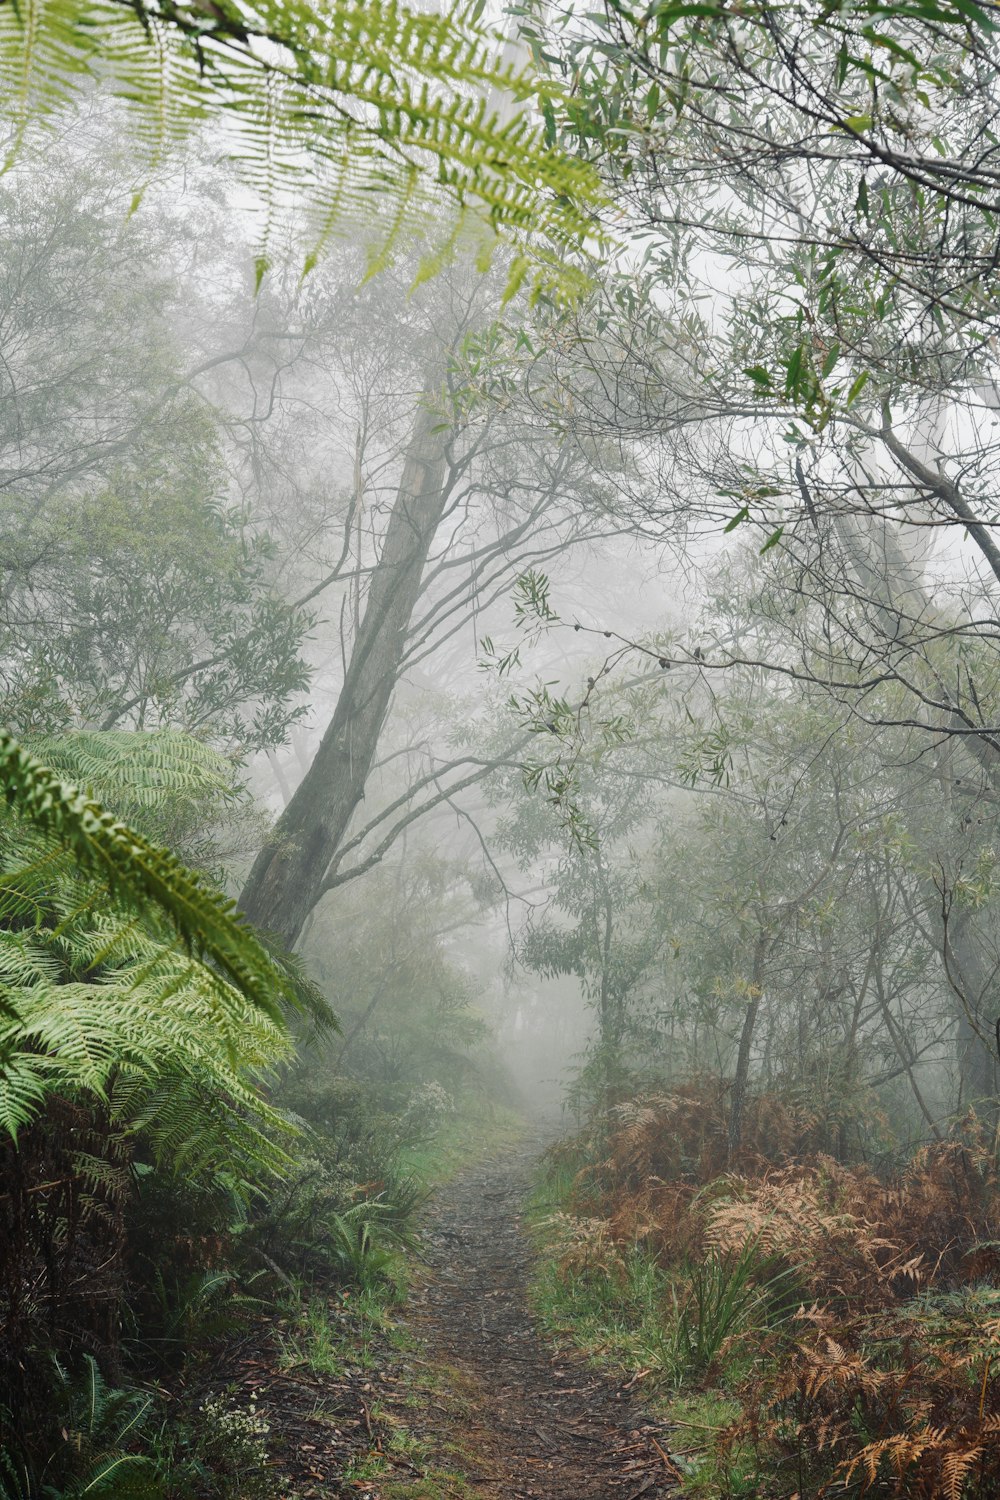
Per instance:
(854,1319)
(157,1189)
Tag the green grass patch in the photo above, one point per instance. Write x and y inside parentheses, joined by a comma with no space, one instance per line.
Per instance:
(711,1468)
(440,1462)
(478,1128)
(438,1484)
(371,1466)
(688,1335)
(329,1336)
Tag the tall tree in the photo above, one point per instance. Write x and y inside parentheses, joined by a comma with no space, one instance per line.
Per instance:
(135,589)
(287,876)
(479,493)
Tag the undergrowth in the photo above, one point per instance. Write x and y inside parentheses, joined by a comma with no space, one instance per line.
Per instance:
(809,1328)
(315,1265)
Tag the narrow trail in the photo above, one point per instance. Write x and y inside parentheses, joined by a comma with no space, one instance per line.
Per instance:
(528,1420)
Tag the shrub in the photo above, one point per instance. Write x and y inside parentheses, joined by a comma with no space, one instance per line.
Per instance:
(874,1303)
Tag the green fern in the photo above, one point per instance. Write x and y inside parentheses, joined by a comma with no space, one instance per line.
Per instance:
(141,770)
(99,1000)
(357,107)
(65,822)
(99,1426)
(100,1423)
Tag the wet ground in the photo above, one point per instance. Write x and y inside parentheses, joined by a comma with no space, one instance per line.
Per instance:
(525,1419)
(465,1400)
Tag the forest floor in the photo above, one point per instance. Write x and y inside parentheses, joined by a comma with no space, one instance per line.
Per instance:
(507,1414)
(456,1394)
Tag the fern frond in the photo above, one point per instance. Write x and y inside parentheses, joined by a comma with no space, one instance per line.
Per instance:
(140,768)
(359,107)
(136,870)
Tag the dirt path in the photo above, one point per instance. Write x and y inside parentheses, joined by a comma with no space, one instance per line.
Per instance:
(524,1420)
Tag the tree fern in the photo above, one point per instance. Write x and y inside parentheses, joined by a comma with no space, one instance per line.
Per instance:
(356,107)
(139,1018)
(68,823)
(99,998)
(98,1007)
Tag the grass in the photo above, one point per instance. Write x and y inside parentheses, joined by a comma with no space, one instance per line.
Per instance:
(372,1466)
(437,1485)
(686,1335)
(615,1319)
(332,1336)
(472,1132)
(436,1482)
(435,1469)
(710,1472)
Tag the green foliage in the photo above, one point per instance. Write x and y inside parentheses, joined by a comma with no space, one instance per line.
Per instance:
(345,106)
(177,1316)
(125,1050)
(217,1448)
(333,1219)
(136,591)
(358,1242)
(407,1006)
(99,1426)
(724,1298)
(149,604)
(63,831)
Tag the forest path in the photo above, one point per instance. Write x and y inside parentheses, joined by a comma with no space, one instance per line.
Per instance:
(497,1404)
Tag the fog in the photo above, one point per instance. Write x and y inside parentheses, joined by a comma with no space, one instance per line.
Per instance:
(565,691)
(550,692)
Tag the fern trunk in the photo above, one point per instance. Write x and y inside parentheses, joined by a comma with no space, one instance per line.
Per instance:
(287,878)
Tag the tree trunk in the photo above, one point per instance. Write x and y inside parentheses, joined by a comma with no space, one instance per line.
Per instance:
(742,1075)
(287,876)
(610,1008)
(974,987)
(900,598)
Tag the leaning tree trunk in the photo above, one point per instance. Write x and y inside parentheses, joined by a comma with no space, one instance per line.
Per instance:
(287,877)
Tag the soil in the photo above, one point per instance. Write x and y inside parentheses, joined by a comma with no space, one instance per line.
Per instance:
(531,1420)
(469,1400)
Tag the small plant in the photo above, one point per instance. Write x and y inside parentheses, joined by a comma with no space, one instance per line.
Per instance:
(428,1105)
(99,1427)
(228,1450)
(182,1312)
(727,1295)
(315,1341)
(373,1466)
(355,1246)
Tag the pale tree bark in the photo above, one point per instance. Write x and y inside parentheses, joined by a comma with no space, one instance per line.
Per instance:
(287,877)
(974,983)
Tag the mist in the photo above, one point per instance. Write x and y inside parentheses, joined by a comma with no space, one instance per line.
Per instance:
(499,927)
